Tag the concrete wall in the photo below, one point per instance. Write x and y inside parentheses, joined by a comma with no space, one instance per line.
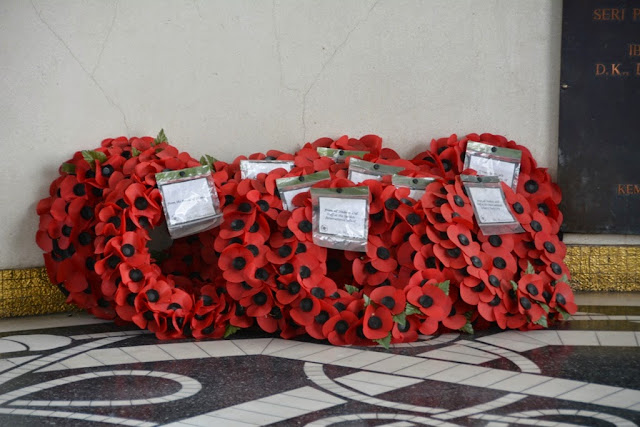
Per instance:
(234,77)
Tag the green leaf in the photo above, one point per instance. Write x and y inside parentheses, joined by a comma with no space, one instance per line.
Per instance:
(444,286)
(542,322)
(351,289)
(530,269)
(400,319)
(92,156)
(544,306)
(68,168)
(565,314)
(411,309)
(367,300)
(514,285)
(385,342)
(563,279)
(135,152)
(160,138)
(208,160)
(468,315)
(468,328)
(230,330)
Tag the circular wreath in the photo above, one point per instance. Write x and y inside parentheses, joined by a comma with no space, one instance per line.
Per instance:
(427,267)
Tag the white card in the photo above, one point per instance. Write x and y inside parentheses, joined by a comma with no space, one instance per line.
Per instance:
(187,201)
(343,217)
(416,194)
(358,177)
(493,167)
(252,168)
(490,205)
(287,197)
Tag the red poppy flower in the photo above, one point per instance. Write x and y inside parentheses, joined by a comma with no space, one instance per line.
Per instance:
(381,256)
(408,332)
(309,269)
(300,224)
(377,322)
(551,246)
(365,273)
(335,329)
(258,304)
(536,186)
(143,204)
(234,261)
(456,318)
(449,257)
(430,300)
(563,298)
(305,309)
(392,298)
(327,310)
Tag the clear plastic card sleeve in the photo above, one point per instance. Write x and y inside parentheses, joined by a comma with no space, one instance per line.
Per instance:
(189,200)
(361,170)
(292,186)
(489,160)
(252,168)
(490,206)
(338,155)
(416,186)
(341,218)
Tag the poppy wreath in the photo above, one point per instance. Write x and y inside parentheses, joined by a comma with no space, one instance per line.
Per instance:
(428,267)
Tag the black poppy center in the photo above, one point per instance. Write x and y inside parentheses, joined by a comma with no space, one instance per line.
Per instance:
(285,251)
(305,272)
(463,239)
(458,201)
(495,301)
(263,205)
(66,230)
(341,326)
(476,261)
(286,269)
(141,203)
(391,204)
(306,305)
(549,247)
(479,287)
(525,303)
(495,240)
(131,298)
(454,253)
(301,248)
(86,213)
(239,263)
(388,302)
(260,298)
(413,219)
(152,295)
(237,224)
(369,268)
(374,323)
(305,226)
(494,281)
(425,301)
(555,267)
(531,288)
(136,275)
(261,274)
(113,261)
(499,263)
(531,186)
(293,288)
(560,299)
(318,292)
(206,300)
(536,226)
(244,207)
(383,253)
(79,190)
(107,170)
(322,317)
(518,208)
(253,249)
(128,250)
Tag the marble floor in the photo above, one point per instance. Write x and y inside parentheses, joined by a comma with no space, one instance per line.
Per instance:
(74,370)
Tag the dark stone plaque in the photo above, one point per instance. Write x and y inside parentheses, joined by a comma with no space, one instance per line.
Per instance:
(599,150)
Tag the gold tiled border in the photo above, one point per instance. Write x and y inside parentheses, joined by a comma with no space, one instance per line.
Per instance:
(604,268)
(25,292)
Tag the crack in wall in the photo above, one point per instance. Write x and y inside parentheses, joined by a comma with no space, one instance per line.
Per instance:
(327,62)
(104,42)
(89,75)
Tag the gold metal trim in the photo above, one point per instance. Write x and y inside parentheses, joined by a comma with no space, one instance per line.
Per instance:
(27,291)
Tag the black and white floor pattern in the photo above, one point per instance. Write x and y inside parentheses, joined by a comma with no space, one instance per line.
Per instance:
(77,371)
